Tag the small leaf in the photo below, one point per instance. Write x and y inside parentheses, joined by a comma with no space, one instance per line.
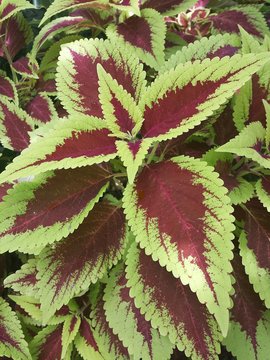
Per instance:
(85,342)
(27,67)
(49,208)
(82,258)
(41,108)
(11,7)
(179,212)
(249,329)
(24,280)
(15,126)
(263,191)
(144,36)
(172,307)
(8,89)
(249,143)
(70,330)
(136,333)
(12,343)
(254,248)
(169,7)
(77,78)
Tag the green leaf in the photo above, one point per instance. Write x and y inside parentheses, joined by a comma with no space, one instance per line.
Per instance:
(70,330)
(262,190)
(12,343)
(249,144)
(11,7)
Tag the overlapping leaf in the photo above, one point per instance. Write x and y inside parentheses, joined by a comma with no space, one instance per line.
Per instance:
(172,307)
(169,7)
(249,329)
(69,143)
(83,257)
(15,126)
(12,343)
(248,17)
(77,78)
(85,342)
(180,214)
(11,7)
(136,333)
(216,45)
(41,108)
(181,99)
(249,143)
(48,208)
(70,329)
(144,36)
(263,191)
(255,248)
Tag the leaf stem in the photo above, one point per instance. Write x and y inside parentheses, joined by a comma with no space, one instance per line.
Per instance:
(152,154)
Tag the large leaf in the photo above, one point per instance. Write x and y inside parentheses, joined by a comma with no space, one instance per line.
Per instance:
(49,208)
(255,247)
(248,17)
(68,143)
(82,258)
(136,333)
(143,36)
(182,98)
(15,126)
(172,307)
(216,45)
(249,329)
(77,78)
(169,7)
(180,214)
(12,343)
(249,143)
(62,5)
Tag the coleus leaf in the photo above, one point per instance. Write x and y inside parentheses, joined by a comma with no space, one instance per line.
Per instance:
(26,66)
(169,7)
(215,46)
(181,99)
(62,5)
(69,143)
(249,329)
(15,126)
(143,36)
(255,247)
(12,343)
(263,191)
(108,343)
(249,143)
(77,78)
(47,344)
(24,280)
(8,89)
(16,33)
(70,330)
(248,17)
(136,333)
(174,210)
(67,24)
(11,7)
(127,5)
(34,214)
(28,307)
(172,307)
(41,108)
(4,189)
(85,342)
(82,258)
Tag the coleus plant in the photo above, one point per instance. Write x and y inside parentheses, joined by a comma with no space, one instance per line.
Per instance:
(140,200)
